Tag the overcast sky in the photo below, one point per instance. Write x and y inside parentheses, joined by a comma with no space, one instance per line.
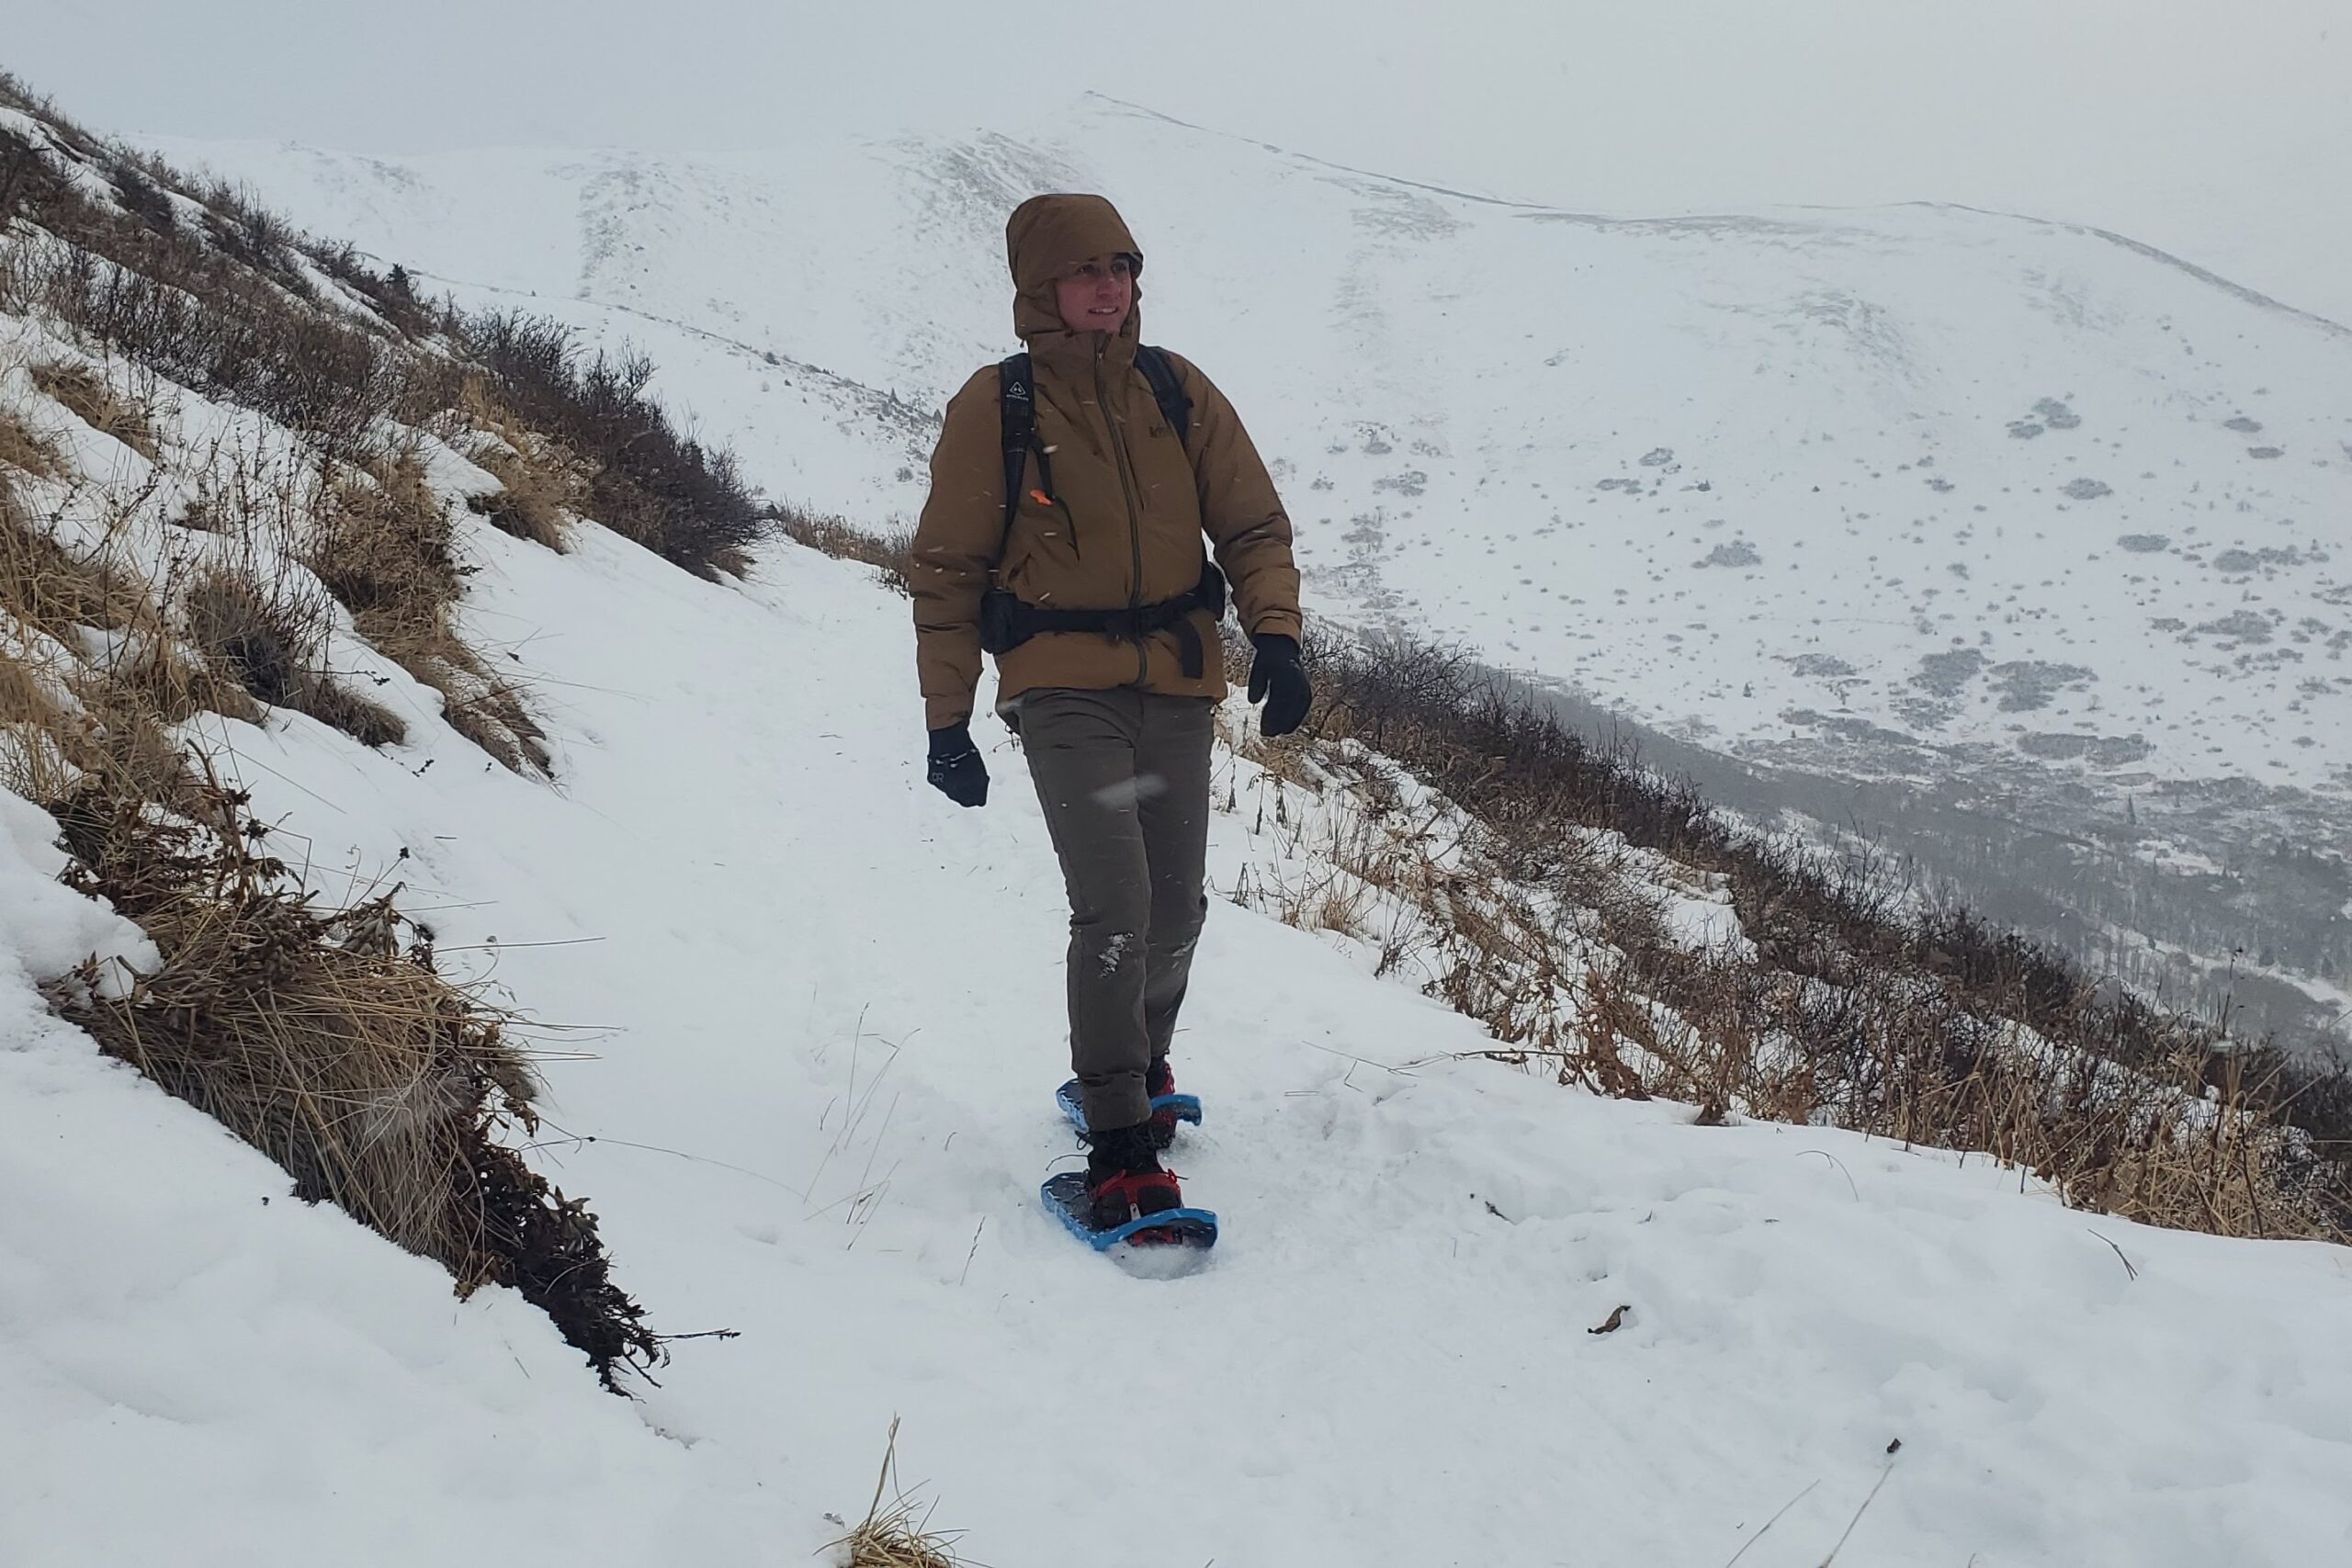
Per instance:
(2222,129)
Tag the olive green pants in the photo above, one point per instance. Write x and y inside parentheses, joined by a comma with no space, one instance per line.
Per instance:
(1124,776)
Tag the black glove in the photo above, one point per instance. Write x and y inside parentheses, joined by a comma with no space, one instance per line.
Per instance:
(957,771)
(1276,677)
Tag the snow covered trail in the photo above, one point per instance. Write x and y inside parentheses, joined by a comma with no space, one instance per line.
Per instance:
(825,1011)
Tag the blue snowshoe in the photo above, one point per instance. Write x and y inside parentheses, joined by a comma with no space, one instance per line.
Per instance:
(1069,1200)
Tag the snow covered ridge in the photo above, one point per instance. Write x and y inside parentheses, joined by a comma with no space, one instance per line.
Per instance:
(1912,492)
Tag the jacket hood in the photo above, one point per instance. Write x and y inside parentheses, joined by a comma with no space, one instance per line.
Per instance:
(1045,237)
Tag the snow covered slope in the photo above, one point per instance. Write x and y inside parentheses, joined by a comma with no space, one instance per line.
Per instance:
(824,1010)
(1921,492)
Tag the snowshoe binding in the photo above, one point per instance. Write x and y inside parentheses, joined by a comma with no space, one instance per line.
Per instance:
(1125,1197)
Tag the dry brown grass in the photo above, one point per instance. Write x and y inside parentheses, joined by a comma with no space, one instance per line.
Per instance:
(383,543)
(85,665)
(328,1042)
(93,398)
(534,499)
(1848,1011)
(345,1066)
(269,636)
(158,675)
(325,1037)
(25,449)
(892,555)
(46,585)
(319,1036)
(34,723)
(896,1530)
(542,487)
(1546,923)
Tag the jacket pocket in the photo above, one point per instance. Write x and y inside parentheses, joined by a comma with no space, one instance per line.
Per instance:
(1041,552)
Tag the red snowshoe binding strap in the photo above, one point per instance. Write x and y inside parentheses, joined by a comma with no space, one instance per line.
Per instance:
(1132,1194)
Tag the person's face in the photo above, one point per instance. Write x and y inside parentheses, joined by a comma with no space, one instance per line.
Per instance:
(1096,295)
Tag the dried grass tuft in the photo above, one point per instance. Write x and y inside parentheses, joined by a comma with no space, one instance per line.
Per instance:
(44,584)
(270,639)
(890,553)
(329,1043)
(525,506)
(541,486)
(160,676)
(68,625)
(97,402)
(383,543)
(35,760)
(27,450)
(896,1532)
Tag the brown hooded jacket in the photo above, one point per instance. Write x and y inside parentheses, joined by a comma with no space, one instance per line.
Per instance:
(1131,503)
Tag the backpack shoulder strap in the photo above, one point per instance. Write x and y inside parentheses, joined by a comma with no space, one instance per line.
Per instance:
(1017,402)
(1167,389)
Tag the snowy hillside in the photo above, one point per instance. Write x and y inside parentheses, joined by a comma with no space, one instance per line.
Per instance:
(823,1008)
(801,1023)
(1923,493)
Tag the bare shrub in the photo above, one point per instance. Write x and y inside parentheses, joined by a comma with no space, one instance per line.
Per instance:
(231,306)
(324,1042)
(93,399)
(1855,1007)
(143,197)
(648,481)
(199,319)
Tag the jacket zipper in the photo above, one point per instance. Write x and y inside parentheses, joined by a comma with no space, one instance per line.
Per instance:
(1128,489)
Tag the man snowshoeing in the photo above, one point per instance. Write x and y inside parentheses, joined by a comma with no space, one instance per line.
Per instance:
(1071,495)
